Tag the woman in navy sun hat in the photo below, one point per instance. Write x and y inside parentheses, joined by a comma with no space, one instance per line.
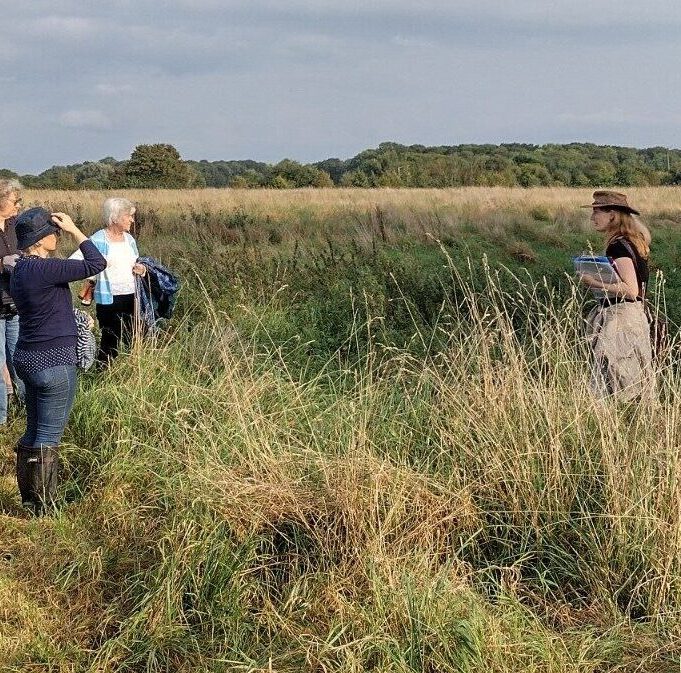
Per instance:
(45,356)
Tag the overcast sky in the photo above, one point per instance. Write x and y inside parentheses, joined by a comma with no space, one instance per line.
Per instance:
(312,79)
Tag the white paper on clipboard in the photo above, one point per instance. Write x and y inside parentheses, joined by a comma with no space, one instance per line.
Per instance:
(598,267)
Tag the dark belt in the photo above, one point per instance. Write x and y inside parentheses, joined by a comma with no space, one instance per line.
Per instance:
(608,301)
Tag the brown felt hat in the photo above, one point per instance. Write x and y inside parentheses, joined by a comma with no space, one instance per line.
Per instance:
(607,199)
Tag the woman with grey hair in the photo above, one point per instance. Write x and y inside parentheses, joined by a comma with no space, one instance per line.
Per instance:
(10,202)
(114,291)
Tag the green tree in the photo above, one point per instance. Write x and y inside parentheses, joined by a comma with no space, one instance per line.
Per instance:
(58,177)
(280,182)
(294,174)
(322,179)
(94,175)
(334,167)
(600,173)
(158,165)
(533,175)
(354,179)
(252,178)
(238,182)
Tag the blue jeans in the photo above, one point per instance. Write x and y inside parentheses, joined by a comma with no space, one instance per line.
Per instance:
(9,333)
(49,398)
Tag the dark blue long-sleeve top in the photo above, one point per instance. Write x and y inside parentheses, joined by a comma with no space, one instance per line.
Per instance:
(40,289)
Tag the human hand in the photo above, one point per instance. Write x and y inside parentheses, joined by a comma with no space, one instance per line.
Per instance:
(139,269)
(587,279)
(9,388)
(65,223)
(9,262)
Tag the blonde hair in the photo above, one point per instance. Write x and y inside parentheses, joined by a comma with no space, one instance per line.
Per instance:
(630,227)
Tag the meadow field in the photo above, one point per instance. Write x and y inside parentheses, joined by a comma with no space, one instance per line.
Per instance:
(365,442)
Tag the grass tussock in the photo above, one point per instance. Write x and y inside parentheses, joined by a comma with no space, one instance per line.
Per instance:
(470,510)
(374,454)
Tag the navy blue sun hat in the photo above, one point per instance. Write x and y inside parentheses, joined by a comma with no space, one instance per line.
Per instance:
(32,225)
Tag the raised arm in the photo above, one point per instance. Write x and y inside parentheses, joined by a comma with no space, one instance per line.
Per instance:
(68,270)
(65,223)
(91,263)
(76,254)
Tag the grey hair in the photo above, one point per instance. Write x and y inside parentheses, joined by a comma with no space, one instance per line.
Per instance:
(9,186)
(113,208)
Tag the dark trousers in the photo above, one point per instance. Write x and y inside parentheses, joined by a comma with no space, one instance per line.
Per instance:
(116,324)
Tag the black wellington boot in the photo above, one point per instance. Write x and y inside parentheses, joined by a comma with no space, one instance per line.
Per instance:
(37,476)
(23,471)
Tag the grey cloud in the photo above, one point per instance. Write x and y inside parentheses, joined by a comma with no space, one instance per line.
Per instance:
(64,27)
(93,120)
(111,89)
(314,78)
(187,38)
(615,117)
(508,21)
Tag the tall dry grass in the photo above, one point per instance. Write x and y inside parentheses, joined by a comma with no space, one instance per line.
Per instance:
(469,510)
(476,200)
(310,216)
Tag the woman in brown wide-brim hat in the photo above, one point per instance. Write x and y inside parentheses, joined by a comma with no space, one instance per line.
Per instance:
(617,328)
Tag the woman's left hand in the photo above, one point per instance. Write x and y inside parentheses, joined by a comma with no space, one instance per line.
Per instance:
(8,380)
(588,280)
(139,269)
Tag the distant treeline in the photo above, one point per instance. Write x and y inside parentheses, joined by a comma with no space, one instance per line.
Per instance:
(389,165)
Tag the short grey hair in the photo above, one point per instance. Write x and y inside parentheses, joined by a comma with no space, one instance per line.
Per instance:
(113,208)
(9,186)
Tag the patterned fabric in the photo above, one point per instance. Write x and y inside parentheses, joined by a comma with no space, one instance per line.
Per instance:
(156,293)
(86,346)
(620,341)
(103,294)
(143,306)
(32,362)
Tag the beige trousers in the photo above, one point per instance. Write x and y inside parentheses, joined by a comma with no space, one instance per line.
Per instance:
(619,336)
